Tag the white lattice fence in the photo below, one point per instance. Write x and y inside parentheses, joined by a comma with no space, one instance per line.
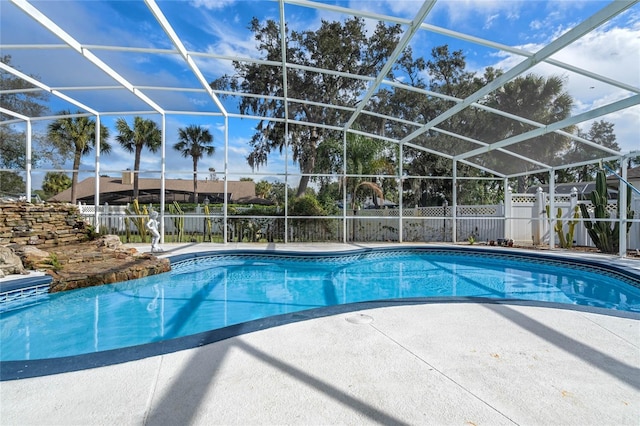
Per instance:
(484,223)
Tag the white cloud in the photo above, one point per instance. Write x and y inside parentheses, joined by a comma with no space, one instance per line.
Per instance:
(212,4)
(536,25)
(489,21)
(404,8)
(467,11)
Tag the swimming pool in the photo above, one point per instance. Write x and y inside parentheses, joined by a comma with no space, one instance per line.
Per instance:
(221,290)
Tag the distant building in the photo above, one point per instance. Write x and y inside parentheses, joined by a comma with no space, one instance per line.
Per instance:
(120,191)
(585,188)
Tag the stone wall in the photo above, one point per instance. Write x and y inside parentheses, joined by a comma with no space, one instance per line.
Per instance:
(41,225)
(54,238)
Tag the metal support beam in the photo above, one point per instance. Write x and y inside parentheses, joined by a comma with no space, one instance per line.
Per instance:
(163,166)
(46,88)
(400,192)
(594,113)
(600,17)
(552,208)
(622,208)
(96,195)
(28,161)
(75,45)
(454,203)
(225,225)
(344,188)
(414,26)
(168,29)
(283,50)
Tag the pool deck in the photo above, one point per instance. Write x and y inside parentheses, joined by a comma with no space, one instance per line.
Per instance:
(461,363)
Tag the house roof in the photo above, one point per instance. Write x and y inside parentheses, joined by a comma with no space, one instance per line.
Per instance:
(632,173)
(566,188)
(114,190)
(585,188)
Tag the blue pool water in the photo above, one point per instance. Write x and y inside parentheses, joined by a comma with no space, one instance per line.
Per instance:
(212,292)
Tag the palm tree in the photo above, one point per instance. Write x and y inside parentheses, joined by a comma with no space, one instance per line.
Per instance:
(145,133)
(195,142)
(263,189)
(54,183)
(366,156)
(76,135)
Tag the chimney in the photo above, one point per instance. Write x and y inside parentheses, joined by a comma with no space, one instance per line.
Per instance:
(127,177)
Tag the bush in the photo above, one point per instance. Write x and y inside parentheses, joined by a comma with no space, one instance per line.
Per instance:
(307,205)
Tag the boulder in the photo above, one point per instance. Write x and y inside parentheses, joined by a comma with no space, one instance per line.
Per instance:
(33,257)
(109,241)
(10,263)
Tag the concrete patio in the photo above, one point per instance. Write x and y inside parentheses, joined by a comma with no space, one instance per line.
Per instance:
(460,363)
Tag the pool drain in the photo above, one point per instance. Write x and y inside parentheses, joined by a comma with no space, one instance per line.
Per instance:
(359,319)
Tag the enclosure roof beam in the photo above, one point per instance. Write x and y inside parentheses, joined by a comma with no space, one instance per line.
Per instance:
(482,168)
(594,113)
(46,88)
(414,26)
(600,17)
(75,45)
(536,124)
(169,31)
(587,162)
(465,37)
(14,114)
(527,54)
(477,142)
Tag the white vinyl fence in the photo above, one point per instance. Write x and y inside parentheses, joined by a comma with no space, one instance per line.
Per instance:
(522,218)
(526,218)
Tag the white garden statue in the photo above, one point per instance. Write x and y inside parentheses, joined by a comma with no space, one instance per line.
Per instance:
(152,226)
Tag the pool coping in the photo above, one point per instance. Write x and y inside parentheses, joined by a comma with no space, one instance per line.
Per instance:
(15,370)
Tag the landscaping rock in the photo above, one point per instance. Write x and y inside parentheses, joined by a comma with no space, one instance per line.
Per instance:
(54,238)
(33,257)
(10,263)
(103,261)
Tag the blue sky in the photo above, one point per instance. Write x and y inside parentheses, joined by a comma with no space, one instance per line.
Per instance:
(220,27)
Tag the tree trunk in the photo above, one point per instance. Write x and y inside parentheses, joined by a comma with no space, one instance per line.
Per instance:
(136,168)
(302,187)
(74,176)
(306,167)
(307,161)
(521,187)
(195,180)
